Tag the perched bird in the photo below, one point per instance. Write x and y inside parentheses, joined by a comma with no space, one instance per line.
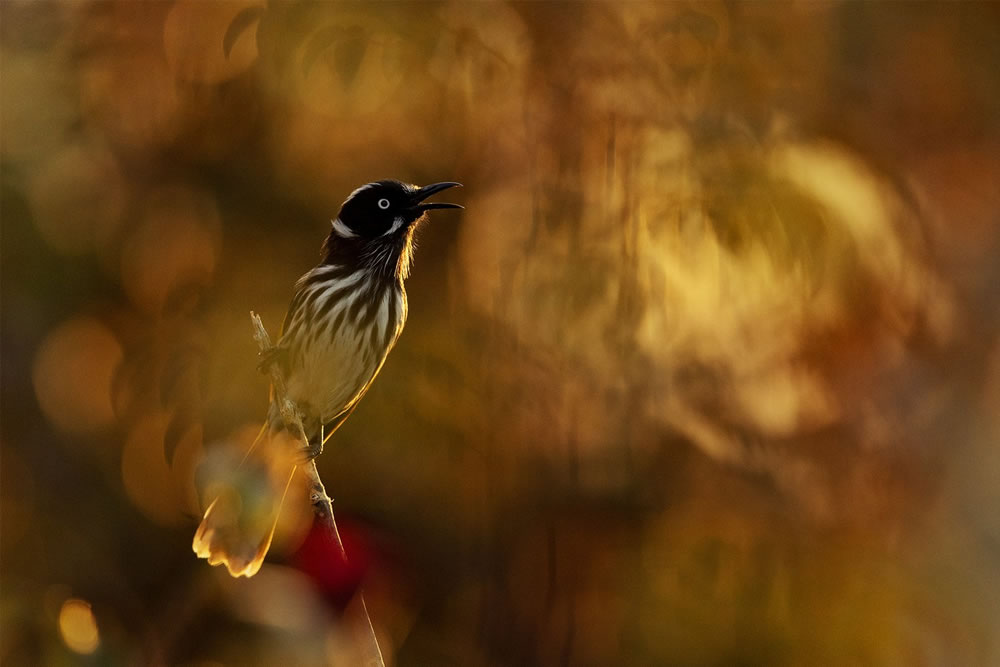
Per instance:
(344,317)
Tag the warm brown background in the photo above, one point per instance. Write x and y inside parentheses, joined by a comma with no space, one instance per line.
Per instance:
(707,373)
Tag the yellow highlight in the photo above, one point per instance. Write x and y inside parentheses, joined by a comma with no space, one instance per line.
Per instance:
(78,627)
(73,374)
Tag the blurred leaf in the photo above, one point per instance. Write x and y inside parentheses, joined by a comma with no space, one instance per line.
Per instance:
(240,24)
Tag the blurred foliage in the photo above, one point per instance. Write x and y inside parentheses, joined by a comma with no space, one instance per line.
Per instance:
(708,373)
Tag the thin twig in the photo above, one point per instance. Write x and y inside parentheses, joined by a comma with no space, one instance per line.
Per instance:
(321,502)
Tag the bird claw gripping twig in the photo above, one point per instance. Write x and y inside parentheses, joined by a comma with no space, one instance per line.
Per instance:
(312,449)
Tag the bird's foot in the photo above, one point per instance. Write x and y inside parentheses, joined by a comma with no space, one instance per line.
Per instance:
(313,449)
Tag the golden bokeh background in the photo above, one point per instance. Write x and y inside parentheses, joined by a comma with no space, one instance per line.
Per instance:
(706,373)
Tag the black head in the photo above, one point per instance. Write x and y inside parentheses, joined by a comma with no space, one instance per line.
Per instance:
(385,208)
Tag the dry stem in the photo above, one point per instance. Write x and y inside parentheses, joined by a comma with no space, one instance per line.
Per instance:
(321,502)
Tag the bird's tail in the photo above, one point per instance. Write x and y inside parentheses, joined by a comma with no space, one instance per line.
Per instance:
(240,521)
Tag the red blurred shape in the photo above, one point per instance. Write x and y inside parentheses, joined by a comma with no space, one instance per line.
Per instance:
(319,558)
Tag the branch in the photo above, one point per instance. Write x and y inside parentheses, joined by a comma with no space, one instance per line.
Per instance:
(321,502)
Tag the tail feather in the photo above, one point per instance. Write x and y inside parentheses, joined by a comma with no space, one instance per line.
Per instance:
(239,523)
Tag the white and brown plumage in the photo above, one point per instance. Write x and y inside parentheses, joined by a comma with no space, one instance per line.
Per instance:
(344,318)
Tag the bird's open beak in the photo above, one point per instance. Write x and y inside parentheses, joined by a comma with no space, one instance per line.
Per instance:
(423,193)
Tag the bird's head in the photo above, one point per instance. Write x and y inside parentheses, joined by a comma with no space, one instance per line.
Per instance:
(374,228)
(386,209)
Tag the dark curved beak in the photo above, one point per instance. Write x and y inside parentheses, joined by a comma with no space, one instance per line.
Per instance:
(423,193)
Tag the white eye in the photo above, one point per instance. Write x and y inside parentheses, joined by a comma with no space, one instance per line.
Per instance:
(383,203)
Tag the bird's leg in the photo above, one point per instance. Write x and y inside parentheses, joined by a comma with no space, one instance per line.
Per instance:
(315,447)
(311,446)
(297,422)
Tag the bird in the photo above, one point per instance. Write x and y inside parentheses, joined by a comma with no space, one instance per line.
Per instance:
(345,316)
